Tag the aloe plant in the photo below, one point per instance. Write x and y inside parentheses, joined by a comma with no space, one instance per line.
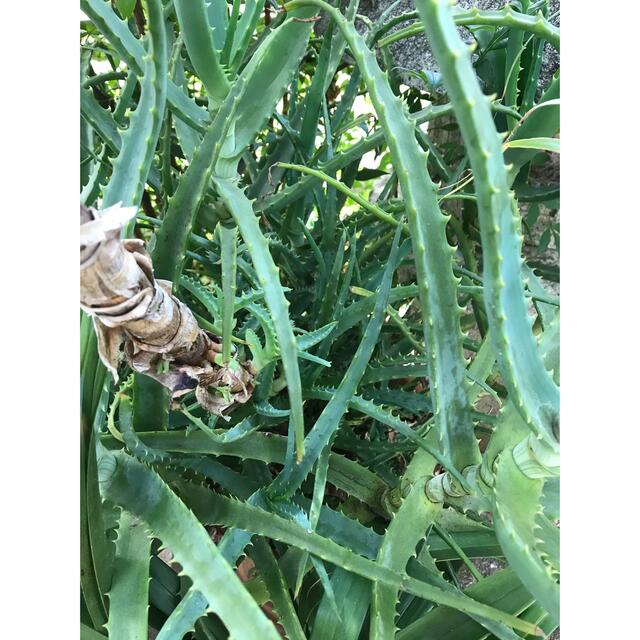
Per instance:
(325,375)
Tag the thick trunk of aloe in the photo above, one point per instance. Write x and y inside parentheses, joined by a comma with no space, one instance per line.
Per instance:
(136,316)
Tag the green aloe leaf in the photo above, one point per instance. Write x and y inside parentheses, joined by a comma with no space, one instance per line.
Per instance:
(126,7)
(213,508)
(503,589)
(517,500)
(128,597)
(530,386)
(541,144)
(141,491)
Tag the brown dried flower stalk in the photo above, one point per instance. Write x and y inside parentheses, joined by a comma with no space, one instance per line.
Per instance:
(136,317)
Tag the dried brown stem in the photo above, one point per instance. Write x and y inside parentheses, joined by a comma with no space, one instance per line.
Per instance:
(136,317)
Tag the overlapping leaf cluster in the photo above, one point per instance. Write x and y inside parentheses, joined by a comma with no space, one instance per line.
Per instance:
(405,414)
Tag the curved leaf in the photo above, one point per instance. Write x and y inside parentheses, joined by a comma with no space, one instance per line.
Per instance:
(143,493)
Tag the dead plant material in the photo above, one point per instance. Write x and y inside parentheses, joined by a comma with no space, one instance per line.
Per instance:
(138,319)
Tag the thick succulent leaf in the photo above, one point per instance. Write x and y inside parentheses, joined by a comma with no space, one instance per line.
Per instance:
(133,53)
(474,17)
(503,590)
(129,594)
(436,282)
(426,561)
(171,237)
(541,121)
(240,208)
(143,493)
(517,507)
(406,529)
(268,73)
(214,508)
(140,138)
(551,498)
(87,633)
(291,478)
(540,144)
(198,38)
(346,474)
(548,545)
(251,121)
(530,386)
(267,566)
(184,617)
(353,595)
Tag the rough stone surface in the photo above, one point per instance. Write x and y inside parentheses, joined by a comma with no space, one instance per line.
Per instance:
(414,53)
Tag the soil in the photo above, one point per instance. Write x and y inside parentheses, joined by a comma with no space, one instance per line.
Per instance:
(487,567)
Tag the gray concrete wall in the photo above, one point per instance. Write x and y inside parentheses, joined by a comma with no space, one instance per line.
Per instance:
(414,53)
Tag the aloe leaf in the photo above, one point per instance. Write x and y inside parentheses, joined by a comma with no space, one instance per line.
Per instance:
(313,99)
(228,242)
(171,237)
(218,19)
(95,551)
(436,282)
(529,383)
(87,633)
(142,492)
(164,586)
(341,160)
(503,18)
(268,73)
(500,631)
(547,313)
(340,186)
(533,75)
(265,409)
(510,429)
(240,208)
(198,38)
(542,121)
(100,120)
(475,544)
(107,128)
(139,140)
(97,513)
(88,581)
(128,597)
(378,413)
(330,287)
(517,508)
(268,568)
(132,52)
(408,526)
(503,590)
(536,614)
(540,144)
(352,594)
(551,498)
(291,478)
(308,340)
(231,31)
(319,487)
(133,443)
(548,545)
(204,295)
(219,510)
(345,474)
(184,617)
(513,69)
(243,32)
(126,7)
